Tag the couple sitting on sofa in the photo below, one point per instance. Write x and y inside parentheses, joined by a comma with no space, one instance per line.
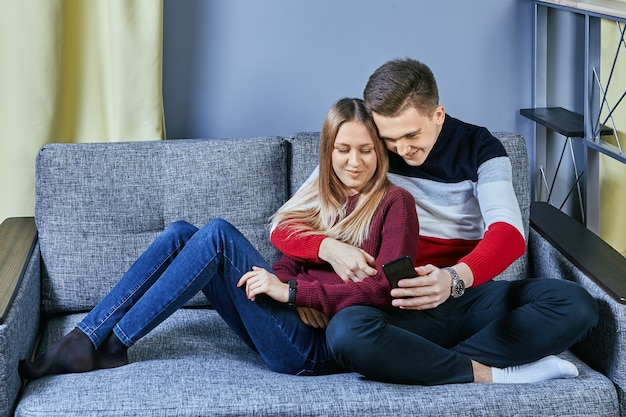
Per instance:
(326,302)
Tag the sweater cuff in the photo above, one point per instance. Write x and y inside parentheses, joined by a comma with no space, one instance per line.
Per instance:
(310,248)
(298,246)
(499,248)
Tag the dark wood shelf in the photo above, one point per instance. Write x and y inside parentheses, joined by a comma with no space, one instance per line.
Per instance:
(563,121)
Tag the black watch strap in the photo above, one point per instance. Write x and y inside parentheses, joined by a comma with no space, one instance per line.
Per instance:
(293,289)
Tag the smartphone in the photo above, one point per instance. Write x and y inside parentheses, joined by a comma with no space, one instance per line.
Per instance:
(398,269)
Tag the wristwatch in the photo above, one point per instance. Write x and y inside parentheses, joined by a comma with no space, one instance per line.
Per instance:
(458,286)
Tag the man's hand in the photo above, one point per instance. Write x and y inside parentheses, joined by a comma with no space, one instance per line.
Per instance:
(312,317)
(349,262)
(430,289)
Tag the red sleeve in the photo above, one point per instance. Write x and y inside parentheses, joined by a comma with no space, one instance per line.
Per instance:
(501,245)
(296,245)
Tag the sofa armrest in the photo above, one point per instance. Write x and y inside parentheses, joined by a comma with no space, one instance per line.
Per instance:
(592,255)
(560,247)
(18,237)
(20,284)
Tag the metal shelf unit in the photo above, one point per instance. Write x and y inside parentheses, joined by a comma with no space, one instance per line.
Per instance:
(587,126)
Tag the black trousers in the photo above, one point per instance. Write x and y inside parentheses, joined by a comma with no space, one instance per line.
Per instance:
(499,323)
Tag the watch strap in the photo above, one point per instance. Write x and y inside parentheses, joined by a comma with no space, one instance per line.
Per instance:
(457,286)
(293,289)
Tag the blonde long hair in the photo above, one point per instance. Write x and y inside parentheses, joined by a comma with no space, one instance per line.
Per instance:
(320,206)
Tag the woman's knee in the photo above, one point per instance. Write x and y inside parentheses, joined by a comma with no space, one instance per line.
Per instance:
(182,229)
(218,227)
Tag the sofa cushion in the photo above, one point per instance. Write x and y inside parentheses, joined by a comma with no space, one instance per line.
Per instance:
(605,347)
(98,206)
(515,146)
(194,365)
(305,151)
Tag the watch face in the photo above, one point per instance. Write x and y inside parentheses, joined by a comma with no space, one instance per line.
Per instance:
(459,288)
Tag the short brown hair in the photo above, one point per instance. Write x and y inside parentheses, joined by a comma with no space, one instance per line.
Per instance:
(400,84)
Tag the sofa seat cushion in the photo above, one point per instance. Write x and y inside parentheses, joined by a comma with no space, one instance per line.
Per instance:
(194,365)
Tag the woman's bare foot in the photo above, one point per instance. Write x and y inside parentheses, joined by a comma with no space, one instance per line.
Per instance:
(72,354)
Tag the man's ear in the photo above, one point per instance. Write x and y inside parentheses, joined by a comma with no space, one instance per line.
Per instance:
(439,114)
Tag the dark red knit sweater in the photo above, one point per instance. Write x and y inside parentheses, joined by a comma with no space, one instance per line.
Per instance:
(393,233)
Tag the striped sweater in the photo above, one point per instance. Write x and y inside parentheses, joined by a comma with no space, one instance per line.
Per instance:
(466,205)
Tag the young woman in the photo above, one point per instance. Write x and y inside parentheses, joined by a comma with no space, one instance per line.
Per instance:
(278,311)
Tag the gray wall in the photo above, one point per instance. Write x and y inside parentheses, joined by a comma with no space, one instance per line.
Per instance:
(249,68)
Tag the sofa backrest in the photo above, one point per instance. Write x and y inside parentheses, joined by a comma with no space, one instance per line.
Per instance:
(98,206)
(515,146)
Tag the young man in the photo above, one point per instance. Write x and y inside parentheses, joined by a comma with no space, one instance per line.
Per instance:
(452,323)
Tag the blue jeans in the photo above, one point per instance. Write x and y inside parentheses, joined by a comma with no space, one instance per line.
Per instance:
(184,260)
(498,323)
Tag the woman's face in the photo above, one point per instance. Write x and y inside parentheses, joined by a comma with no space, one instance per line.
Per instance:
(354,158)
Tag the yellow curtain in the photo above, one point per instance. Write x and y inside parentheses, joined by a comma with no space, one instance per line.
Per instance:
(74,71)
(612,172)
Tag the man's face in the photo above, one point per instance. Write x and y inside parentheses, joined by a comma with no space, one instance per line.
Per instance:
(411,134)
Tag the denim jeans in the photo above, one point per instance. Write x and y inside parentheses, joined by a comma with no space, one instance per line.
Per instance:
(498,323)
(184,260)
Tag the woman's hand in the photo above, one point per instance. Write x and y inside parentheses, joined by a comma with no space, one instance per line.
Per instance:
(312,317)
(349,262)
(259,281)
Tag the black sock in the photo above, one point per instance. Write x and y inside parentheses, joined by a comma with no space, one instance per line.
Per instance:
(73,353)
(112,353)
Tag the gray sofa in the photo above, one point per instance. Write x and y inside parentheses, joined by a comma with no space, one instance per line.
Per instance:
(98,207)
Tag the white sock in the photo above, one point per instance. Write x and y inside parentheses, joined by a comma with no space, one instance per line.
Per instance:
(550,367)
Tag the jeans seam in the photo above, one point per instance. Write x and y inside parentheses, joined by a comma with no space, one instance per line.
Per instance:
(313,364)
(92,330)
(303,356)
(129,341)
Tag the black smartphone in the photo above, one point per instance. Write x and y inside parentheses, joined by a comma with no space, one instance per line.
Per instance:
(398,269)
